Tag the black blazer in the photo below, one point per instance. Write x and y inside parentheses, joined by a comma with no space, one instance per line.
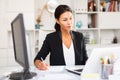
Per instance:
(53,44)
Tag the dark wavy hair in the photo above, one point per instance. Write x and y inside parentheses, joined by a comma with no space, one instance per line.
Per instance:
(58,11)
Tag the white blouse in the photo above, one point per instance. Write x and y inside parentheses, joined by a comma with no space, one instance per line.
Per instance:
(69,55)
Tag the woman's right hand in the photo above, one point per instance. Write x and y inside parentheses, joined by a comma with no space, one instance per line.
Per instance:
(41,65)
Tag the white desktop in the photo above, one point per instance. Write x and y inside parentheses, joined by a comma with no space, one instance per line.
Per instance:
(54,73)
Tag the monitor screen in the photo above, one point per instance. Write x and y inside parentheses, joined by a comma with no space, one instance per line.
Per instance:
(20,48)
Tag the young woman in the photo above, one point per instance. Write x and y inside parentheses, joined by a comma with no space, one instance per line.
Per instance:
(66,47)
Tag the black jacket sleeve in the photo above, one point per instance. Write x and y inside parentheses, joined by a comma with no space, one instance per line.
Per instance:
(43,51)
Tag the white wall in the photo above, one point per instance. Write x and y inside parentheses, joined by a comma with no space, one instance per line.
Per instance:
(8,11)
(3,24)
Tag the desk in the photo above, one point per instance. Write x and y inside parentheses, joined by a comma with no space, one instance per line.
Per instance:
(54,73)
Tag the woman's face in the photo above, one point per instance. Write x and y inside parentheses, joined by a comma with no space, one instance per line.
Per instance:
(65,21)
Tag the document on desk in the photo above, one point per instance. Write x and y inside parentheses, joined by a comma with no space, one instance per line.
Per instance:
(57,76)
(55,73)
(56,69)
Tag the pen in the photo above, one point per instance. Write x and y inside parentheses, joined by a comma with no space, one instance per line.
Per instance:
(44,64)
(42,59)
(111,58)
(108,61)
(102,60)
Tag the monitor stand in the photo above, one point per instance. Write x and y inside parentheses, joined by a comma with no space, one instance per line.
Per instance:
(22,75)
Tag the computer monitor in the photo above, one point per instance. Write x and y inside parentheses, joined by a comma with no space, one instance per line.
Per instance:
(20,49)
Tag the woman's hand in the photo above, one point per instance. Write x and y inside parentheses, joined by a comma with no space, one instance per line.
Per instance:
(41,65)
